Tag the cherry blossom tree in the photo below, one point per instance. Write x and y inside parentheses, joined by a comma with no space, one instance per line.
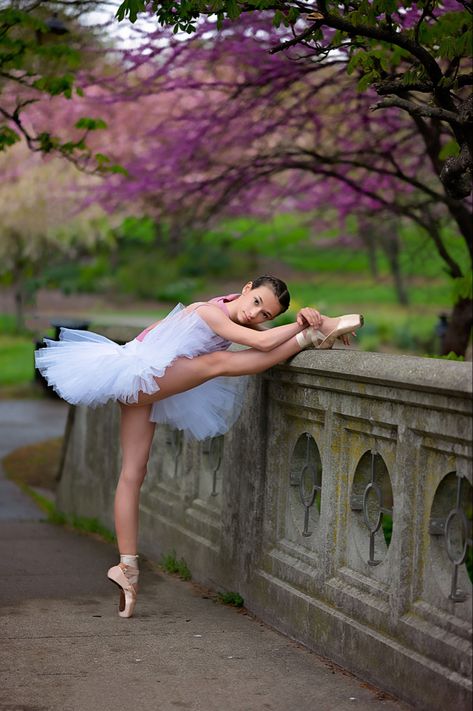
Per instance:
(229,127)
(416,55)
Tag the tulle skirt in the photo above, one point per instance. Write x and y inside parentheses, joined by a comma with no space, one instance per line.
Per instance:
(85,368)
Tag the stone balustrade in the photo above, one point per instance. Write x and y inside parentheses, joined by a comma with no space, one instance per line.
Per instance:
(339,507)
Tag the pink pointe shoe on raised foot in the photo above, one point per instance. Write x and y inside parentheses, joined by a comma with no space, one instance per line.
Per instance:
(322,341)
(126,577)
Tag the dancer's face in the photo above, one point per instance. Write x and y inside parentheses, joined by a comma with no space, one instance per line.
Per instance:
(256,305)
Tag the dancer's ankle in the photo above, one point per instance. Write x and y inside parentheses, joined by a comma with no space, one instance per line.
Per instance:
(328,324)
(309,337)
(129,560)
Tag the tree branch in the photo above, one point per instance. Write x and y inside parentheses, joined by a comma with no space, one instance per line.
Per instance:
(397,86)
(297,39)
(383,34)
(418,110)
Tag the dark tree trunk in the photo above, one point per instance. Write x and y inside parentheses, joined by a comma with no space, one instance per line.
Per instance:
(398,279)
(20,298)
(369,241)
(174,245)
(459,328)
(391,246)
(373,262)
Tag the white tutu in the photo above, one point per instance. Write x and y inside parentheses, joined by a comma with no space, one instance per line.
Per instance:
(86,368)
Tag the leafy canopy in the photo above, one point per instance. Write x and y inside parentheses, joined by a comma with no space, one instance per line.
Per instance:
(43,48)
(417,56)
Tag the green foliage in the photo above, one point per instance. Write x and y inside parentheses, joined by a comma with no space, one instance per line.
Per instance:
(56,85)
(91,275)
(141,230)
(33,57)
(144,273)
(54,516)
(138,261)
(408,334)
(89,525)
(274,238)
(450,356)
(8,137)
(207,258)
(90,124)
(451,148)
(387,527)
(78,523)
(462,288)
(181,290)
(182,16)
(230,598)
(130,9)
(172,565)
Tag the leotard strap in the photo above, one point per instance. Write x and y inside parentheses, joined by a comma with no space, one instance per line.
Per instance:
(222,301)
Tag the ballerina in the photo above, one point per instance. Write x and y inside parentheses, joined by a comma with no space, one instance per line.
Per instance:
(179,372)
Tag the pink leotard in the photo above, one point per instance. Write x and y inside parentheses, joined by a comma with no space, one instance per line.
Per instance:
(222,301)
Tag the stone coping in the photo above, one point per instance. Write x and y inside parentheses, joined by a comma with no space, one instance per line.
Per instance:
(403,371)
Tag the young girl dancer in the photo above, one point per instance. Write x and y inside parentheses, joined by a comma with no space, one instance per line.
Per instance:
(174,372)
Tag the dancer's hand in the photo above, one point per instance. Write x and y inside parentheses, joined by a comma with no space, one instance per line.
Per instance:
(345,339)
(309,317)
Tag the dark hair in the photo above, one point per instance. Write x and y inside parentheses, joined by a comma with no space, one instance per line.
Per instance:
(278,287)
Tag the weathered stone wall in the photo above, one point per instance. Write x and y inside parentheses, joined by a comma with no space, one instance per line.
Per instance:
(339,507)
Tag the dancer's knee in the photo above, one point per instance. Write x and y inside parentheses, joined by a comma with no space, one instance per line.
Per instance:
(132,477)
(217,363)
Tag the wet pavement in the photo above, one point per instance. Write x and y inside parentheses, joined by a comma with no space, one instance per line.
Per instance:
(63,647)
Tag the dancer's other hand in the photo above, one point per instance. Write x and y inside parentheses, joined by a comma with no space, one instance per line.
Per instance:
(345,338)
(309,317)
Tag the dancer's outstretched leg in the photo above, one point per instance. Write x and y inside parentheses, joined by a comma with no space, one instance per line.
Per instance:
(186,373)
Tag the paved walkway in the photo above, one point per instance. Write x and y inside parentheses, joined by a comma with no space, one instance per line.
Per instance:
(63,648)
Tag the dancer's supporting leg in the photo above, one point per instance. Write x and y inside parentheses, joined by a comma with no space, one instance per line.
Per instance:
(136,436)
(186,373)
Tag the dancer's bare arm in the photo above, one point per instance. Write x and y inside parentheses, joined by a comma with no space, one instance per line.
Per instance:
(261,340)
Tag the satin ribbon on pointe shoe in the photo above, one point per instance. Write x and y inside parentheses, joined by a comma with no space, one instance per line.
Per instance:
(126,577)
(316,339)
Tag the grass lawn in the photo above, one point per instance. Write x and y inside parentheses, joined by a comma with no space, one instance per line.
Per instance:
(329,291)
(16,360)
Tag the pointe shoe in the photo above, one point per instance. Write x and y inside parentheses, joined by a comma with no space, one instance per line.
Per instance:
(126,577)
(321,341)
(346,324)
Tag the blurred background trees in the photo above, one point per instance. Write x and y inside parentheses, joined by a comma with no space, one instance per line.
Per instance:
(40,227)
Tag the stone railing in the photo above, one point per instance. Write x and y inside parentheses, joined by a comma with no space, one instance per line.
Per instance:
(339,507)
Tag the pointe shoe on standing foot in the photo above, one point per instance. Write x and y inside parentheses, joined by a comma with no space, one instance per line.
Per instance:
(126,577)
(317,339)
